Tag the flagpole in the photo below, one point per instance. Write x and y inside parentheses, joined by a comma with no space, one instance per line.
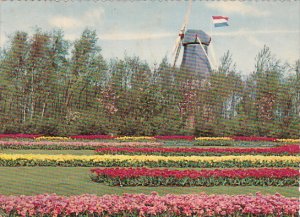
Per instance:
(211,27)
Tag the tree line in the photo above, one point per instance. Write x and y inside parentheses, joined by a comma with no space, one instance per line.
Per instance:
(51,86)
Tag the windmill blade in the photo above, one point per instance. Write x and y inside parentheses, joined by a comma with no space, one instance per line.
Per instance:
(177,54)
(213,55)
(178,42)
(176,49)
(186,17)
(183,28)
(176,45)
(210,63)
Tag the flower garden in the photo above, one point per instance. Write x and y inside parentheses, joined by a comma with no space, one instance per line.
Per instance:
(103,175)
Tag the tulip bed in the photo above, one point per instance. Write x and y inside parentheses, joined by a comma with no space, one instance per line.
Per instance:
(19,136)
(159,137)
(140,163)
(148,161)
(227,143)
(282,150)
(138,205)
(166,177)
(92,145)
(92,137)
(52,138)
(50,145)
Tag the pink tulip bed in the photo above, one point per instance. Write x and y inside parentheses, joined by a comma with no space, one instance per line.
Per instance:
(19,136)
(166,177)
(49,145)
(281,150)
(141,205)
(253,138)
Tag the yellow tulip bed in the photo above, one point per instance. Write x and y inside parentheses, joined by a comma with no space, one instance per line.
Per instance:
(140,138)
(213,139)
(148,160)
(288,140)
(52,138)
(189,138)
(134,138)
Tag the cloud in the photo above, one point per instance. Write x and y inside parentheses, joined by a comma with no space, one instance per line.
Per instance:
(65,22)
(254,37)
(93,16)
(71,36)
(125,36)
(251,35)
(254,41)
(3,39)
(236,7)
(245,32)
(2,42)
(90,17)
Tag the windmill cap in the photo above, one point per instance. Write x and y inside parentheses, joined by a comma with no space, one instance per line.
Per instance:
(191,34)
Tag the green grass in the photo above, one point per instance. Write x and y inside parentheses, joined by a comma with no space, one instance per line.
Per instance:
(76,180)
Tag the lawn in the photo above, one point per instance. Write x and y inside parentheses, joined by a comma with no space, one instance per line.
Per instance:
(75,180)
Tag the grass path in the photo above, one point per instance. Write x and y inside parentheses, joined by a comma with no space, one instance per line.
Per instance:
(75,180)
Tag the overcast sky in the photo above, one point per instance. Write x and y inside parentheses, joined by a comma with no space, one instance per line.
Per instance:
(148,29)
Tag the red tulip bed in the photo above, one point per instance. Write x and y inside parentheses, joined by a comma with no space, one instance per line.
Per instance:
(141,205)
(166,177)
(282,150)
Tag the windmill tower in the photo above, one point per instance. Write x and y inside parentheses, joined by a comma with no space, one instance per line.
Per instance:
(195,54)
(196,66)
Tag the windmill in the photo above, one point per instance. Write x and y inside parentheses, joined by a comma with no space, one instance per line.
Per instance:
(195,56)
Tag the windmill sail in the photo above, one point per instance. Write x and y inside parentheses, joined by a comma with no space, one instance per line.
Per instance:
(178,44)
(195,58)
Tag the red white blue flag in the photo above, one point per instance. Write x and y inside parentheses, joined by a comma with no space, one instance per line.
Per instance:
(220,21)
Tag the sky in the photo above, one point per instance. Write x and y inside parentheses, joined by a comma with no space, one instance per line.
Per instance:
(148,29)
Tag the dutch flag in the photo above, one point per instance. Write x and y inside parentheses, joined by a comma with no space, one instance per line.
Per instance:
(220,21)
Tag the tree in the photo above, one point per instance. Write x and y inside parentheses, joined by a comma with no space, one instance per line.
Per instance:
(14,70)
(288,108)
(219,99)
(52,96)
(86,71)
(260,100)
(46,89)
